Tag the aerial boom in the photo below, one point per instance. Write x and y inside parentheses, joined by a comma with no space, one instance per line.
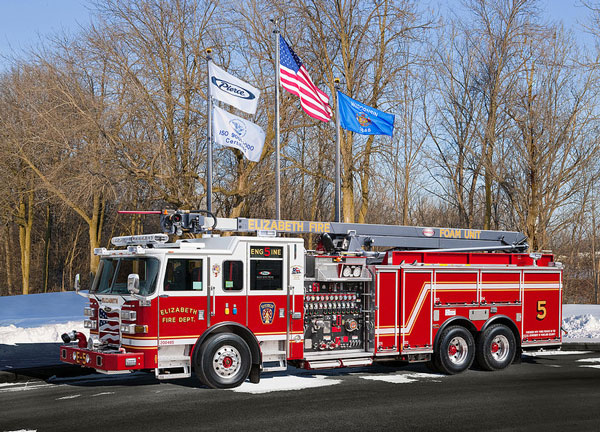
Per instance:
(351,237)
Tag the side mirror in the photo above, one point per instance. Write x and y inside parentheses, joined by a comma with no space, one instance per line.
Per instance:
(77,282)
(133,283)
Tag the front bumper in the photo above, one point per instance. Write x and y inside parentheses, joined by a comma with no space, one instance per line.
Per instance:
(102,361)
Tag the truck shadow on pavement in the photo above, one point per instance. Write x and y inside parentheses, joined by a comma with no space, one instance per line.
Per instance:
(22,362)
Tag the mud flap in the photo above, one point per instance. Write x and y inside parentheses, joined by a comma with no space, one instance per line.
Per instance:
(255,374)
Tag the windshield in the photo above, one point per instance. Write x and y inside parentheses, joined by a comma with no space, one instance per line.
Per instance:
(112,274)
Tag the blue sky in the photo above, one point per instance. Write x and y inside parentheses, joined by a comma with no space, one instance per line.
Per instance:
(23,22)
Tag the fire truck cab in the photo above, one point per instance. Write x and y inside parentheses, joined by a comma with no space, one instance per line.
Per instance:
(228,308)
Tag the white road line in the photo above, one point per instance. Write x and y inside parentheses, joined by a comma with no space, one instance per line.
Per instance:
(20,387)
(68,397)
(590,360)
(591,366)
(102,394)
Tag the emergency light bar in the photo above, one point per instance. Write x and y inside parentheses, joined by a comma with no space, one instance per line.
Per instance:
(140,239)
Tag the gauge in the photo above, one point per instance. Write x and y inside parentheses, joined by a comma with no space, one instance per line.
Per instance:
(347,272)
(357,271)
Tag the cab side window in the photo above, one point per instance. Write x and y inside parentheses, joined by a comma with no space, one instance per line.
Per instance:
(266,274)
(183,275)
(233,275)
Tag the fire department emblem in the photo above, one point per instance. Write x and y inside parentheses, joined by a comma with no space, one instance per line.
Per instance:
(216,269)
(363,119)
(267,312)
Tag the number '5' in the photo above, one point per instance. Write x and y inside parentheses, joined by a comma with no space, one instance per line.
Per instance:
(541,308)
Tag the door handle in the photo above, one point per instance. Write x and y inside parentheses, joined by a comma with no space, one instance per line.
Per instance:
(212,294)
(164,295)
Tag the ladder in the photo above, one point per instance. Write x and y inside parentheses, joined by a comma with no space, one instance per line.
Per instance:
(351,237)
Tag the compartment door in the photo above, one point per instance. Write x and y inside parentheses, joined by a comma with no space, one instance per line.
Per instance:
(417,305)
(542,311)
(386,315)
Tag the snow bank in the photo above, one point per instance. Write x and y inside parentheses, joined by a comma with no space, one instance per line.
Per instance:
(12,335)
(35,310)
(582,323)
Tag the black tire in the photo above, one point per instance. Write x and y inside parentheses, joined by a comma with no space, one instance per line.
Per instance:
(496,347)
(223,361)
(455,351)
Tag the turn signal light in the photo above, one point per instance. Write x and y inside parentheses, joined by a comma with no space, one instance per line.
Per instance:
(133,328)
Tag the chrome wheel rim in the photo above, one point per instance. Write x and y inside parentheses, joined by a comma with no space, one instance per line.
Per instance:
(458,350)
(226,361)
(499,348)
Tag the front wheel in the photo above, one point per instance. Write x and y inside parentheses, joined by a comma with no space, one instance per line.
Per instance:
(496,347)
(224,361)
(456,350)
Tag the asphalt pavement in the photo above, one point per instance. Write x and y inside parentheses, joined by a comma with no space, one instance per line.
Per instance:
(546,392)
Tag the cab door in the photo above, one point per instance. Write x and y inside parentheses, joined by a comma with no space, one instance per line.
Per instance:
(267,281)
(228,288)
(295,328)
(183,302)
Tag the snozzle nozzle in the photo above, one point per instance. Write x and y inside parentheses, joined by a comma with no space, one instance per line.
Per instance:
(75,335)
(69,337)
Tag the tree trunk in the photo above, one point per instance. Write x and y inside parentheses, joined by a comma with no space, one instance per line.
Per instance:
(47,238)
(8,263)
(95,228)
(347,178)
(365,175)
(25,226)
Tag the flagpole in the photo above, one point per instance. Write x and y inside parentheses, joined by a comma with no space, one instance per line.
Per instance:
(338,192)
(277,142)
(209,161)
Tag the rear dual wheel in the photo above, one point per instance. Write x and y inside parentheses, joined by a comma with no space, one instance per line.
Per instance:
(496,347)
(455,351)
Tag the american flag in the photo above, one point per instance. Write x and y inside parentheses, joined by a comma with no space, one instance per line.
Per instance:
(295,79)
(108,325)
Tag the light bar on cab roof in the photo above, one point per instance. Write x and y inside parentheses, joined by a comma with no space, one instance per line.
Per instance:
(140,239)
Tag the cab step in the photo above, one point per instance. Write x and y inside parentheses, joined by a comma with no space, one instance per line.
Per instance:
(173,373)
(274,366)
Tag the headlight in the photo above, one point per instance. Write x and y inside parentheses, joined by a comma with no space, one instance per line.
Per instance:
(88,312)
(128,315)
(90,324)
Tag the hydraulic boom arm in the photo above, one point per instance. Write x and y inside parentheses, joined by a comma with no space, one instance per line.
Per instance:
(352,237)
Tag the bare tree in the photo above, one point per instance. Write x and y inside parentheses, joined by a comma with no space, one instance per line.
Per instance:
(551,108)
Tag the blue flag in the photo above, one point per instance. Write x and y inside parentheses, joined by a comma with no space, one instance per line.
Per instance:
(360,118)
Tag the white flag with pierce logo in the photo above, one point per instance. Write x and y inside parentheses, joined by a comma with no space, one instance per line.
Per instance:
(231,90)
(233,131)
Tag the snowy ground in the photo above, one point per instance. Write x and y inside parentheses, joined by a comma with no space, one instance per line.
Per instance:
(42,318)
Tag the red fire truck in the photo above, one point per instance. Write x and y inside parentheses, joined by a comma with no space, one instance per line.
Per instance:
(229,307)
